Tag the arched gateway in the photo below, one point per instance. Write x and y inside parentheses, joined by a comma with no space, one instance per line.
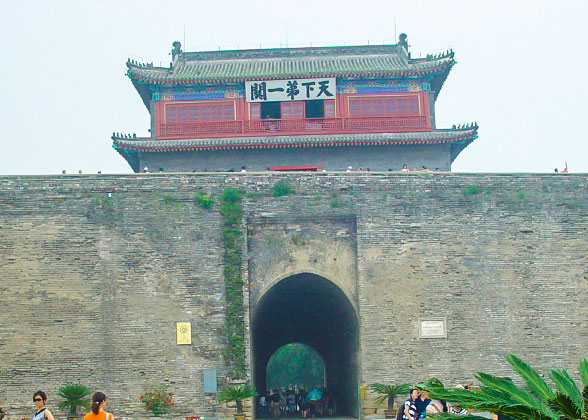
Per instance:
(310,309)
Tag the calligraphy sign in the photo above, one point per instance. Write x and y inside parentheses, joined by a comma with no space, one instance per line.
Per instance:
(290,90)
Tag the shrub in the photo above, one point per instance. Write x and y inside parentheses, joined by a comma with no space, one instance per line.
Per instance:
(157,400)
(282,187)
(204,201)
(73,395)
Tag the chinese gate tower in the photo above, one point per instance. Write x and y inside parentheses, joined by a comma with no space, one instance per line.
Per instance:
(294,109)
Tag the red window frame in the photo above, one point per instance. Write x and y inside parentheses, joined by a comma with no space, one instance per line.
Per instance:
(292,110)
(200,111)
(384,105)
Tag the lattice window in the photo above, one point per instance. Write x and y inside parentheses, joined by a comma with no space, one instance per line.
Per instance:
(212,111)
(292,109)
(255,111)
(329,108)
(400,105)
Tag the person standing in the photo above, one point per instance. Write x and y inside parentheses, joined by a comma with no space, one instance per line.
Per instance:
(275,399)
(98,408)
(42,412)
(421,403)
(410,410)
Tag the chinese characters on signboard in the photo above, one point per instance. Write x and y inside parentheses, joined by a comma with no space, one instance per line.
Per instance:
(290,90)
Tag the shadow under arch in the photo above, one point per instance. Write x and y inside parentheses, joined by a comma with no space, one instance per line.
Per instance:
(310,309)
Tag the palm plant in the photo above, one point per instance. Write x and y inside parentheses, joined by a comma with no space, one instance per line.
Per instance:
(236,393)
(389,392)
(73,395)
(537,401)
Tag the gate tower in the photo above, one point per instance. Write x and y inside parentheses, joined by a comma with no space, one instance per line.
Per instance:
(370,106)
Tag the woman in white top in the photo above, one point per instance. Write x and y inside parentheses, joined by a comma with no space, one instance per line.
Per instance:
(42,413)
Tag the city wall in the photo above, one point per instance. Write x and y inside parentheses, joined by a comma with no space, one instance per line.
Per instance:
(96,270)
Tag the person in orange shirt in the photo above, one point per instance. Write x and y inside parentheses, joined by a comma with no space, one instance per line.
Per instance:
(98,408)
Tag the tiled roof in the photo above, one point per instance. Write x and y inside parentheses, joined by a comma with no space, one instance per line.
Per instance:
(463,136)
(365,61)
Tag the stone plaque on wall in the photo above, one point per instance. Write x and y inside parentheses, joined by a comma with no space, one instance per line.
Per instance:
(432,327)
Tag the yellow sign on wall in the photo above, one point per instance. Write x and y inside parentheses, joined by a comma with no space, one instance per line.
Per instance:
(183,333)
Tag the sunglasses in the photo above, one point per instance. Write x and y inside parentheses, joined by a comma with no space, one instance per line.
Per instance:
(37,399)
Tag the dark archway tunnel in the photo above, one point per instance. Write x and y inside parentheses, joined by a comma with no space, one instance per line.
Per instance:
(309,309)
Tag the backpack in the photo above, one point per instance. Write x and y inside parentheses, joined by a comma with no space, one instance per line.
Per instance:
(400,412)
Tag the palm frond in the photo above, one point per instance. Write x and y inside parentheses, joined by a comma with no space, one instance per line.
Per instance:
(564,407)
(585,398)
(388,391)
(535,382)
(583,368)
(236,393)
(73,392)
(508,387)
(567,386)
(429,383)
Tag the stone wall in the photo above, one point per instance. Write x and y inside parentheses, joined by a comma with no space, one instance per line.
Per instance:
(96,270)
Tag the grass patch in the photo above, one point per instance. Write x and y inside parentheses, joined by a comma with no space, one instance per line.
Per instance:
(298,240)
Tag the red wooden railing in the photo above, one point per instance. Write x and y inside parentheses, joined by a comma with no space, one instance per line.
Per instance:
(293,126)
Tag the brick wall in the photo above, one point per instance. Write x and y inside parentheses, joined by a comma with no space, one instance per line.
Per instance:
(96,270)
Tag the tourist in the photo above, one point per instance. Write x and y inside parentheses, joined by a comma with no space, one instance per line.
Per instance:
(565,170)
(302,403)
(264,412)
(98,406)
(436,407)
(405,168)
(410,410)
(459,411)
(421,403)
(275,399)
(41,413)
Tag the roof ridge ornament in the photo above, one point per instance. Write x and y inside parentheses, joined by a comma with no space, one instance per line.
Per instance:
(402,40)
(176,50)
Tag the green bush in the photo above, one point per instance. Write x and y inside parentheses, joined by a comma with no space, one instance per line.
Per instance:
(204,201)
(282,187)
(157,400)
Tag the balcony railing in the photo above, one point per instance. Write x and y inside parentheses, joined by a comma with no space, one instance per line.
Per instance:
(293,126)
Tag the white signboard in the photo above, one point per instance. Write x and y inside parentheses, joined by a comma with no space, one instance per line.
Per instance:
(433,328)
(290,90)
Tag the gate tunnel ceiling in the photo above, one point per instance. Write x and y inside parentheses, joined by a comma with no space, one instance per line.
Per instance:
(309,309)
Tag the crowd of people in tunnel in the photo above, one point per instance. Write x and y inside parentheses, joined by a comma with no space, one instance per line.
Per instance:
(297,402)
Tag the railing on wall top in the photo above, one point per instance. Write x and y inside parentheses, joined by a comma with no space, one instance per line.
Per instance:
(293,126)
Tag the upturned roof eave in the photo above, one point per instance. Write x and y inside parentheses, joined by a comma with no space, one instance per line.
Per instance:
(442,70)
(463,137)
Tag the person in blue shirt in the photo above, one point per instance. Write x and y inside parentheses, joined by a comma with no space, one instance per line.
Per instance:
(421,404)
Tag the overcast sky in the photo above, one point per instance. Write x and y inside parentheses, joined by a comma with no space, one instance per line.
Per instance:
(521,70)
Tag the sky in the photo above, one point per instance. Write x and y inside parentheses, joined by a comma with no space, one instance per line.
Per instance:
(520,72)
